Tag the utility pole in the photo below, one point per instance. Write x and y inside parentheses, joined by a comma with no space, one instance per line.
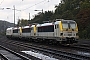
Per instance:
(42,11)
(29,19)
(29,16)
(14,15)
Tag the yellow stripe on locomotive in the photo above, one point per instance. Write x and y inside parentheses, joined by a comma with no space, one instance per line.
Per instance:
(60,25)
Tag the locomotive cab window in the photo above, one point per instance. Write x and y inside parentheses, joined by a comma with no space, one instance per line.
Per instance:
(65,25)
(56,26)
(15,31)
(72,25)
(32,28)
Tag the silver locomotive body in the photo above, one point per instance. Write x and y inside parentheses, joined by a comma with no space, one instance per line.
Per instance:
(63,31)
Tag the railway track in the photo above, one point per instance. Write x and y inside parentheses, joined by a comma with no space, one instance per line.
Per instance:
(57,53)
(81,48)
(60,53)
(8,54)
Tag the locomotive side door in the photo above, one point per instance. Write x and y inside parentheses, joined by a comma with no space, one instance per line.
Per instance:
(32,31)
(56,30)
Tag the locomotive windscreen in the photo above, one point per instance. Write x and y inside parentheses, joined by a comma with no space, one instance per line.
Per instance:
(68,24)
(72,25)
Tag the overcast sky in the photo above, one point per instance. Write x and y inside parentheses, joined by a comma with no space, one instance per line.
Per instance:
(24,7)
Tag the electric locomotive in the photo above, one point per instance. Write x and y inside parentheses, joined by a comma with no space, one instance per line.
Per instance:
(62,31)
(9,32)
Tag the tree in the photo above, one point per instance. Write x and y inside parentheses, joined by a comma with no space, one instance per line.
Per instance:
(40,17)
(84,18)
(67,15)
(22,22)
(85,4)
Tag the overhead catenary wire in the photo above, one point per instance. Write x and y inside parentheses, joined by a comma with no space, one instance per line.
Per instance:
(44,2)
(34,5)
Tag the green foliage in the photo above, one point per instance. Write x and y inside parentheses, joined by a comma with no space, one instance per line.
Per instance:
(40,17)
(85,4)
(67,15)
(22,22)
(83,18)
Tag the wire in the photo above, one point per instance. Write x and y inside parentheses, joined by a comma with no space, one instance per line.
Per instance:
(34,5)
(1,2)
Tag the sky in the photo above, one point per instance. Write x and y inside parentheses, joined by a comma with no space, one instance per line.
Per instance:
(23,8)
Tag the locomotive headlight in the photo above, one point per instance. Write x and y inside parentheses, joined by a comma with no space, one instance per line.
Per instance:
(76,34)
(61,34)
